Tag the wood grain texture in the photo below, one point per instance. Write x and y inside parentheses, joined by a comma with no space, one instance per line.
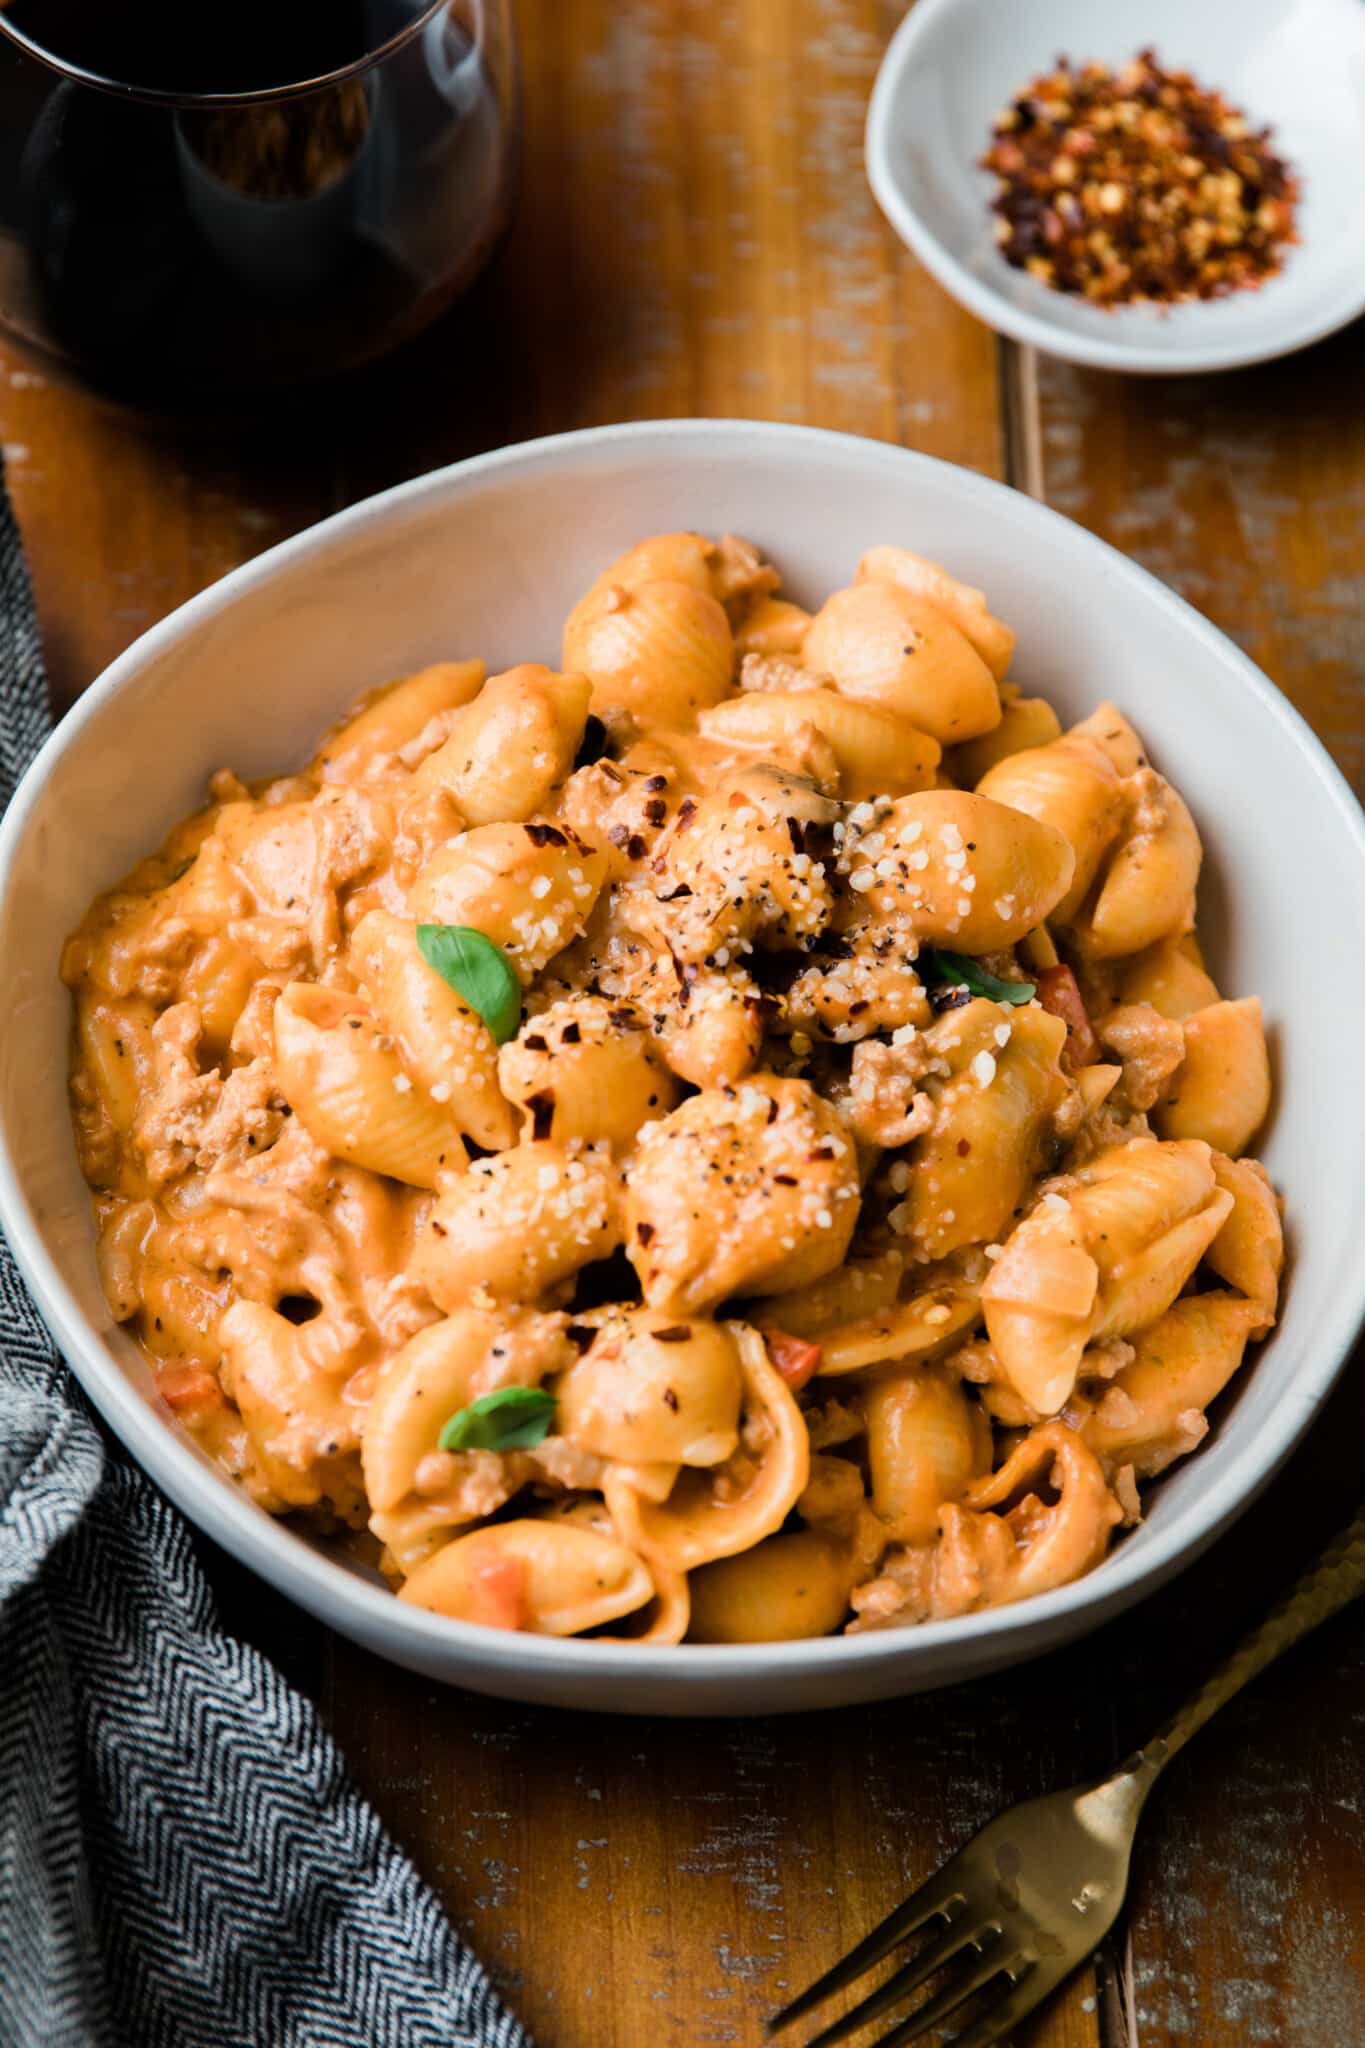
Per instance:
(696,236)
(1246,493)
(634,1880)
(1247,1912)
(123,521)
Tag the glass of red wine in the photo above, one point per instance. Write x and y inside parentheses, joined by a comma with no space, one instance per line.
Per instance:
(201,200)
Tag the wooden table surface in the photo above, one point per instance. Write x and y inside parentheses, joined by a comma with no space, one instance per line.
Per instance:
(696,237)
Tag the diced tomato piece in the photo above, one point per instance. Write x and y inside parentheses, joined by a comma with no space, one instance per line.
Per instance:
(500,1592)
(185,1385)
(793,1358)
(1058,993)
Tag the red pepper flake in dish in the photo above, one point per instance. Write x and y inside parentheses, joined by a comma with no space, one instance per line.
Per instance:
(1058,992)
(1138,185)
(498,1595)
(793,1358)
(187,1386)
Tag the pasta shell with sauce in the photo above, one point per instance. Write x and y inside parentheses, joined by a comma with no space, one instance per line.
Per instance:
(729,1508)
(299,1421)
(519,1223)
(1221,1092)
(664,1619)
(390,718)
(219,981)
(180,1314)
(799,1582)
(786,1589)
(1073,787)
(856,1290)
(344,1080)
(260,855)
(1153,1410)
(1169,975)
(731,570)
(969,1172)
(740,1190)
(965,606)
(772,626)
(1248,1251)
(857,1319)
(1024,722)
(529,887)
(714,1040)
(446,1045)
(734,867)
(1108,729)
(581,1069)
(877,752)
(472,1352)
(547,1578)
(1000,1554)
(115,1040)
(712,1034)
(1146,891)
(922,1328)
(966,872)
(651,1389)
(1103,1254)
(886,647)
(662,558)
(1150,1211)
(927,1441)
(512,745)
(661,649)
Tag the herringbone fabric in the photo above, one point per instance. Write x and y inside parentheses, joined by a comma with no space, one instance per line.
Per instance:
(183,1863)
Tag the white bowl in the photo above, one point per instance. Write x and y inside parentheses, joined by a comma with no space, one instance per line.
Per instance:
(1296,64)
(488,557)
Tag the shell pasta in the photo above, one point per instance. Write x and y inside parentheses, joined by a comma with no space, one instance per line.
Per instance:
(727,1140)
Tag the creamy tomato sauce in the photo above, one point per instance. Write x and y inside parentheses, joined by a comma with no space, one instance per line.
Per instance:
(800,1185)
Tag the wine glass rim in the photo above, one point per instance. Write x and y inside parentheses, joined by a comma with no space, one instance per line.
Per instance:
(255,96)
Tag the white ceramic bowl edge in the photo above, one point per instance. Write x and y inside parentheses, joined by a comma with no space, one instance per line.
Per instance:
(1297,64)
(487,557)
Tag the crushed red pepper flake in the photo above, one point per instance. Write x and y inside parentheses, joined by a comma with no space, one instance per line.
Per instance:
(1137,185)
(542,1108)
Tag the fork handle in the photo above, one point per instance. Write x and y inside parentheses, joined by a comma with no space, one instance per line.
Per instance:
(1337,1578)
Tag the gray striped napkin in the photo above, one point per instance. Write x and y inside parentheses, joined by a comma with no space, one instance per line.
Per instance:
(183,1861)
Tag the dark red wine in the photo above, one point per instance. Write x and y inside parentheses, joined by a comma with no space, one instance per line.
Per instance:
(186,47)
(179,242)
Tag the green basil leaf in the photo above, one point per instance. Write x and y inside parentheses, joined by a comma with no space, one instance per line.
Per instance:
(513,1419)
(957,969)
(477,970)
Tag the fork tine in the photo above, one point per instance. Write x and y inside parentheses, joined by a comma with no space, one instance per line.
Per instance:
(949,1999)
(922,1966)
(934,1897)
(1006,2014)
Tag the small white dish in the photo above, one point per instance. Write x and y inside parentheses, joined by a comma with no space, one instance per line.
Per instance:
(1298,65)
(489,556)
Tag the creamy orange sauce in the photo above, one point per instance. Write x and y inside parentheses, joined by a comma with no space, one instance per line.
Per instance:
(861,1293)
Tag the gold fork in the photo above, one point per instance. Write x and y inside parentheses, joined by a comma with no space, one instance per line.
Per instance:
(1041,1885)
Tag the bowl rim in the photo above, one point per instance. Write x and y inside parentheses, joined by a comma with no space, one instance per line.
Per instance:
(326,1586)
(1036,330)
